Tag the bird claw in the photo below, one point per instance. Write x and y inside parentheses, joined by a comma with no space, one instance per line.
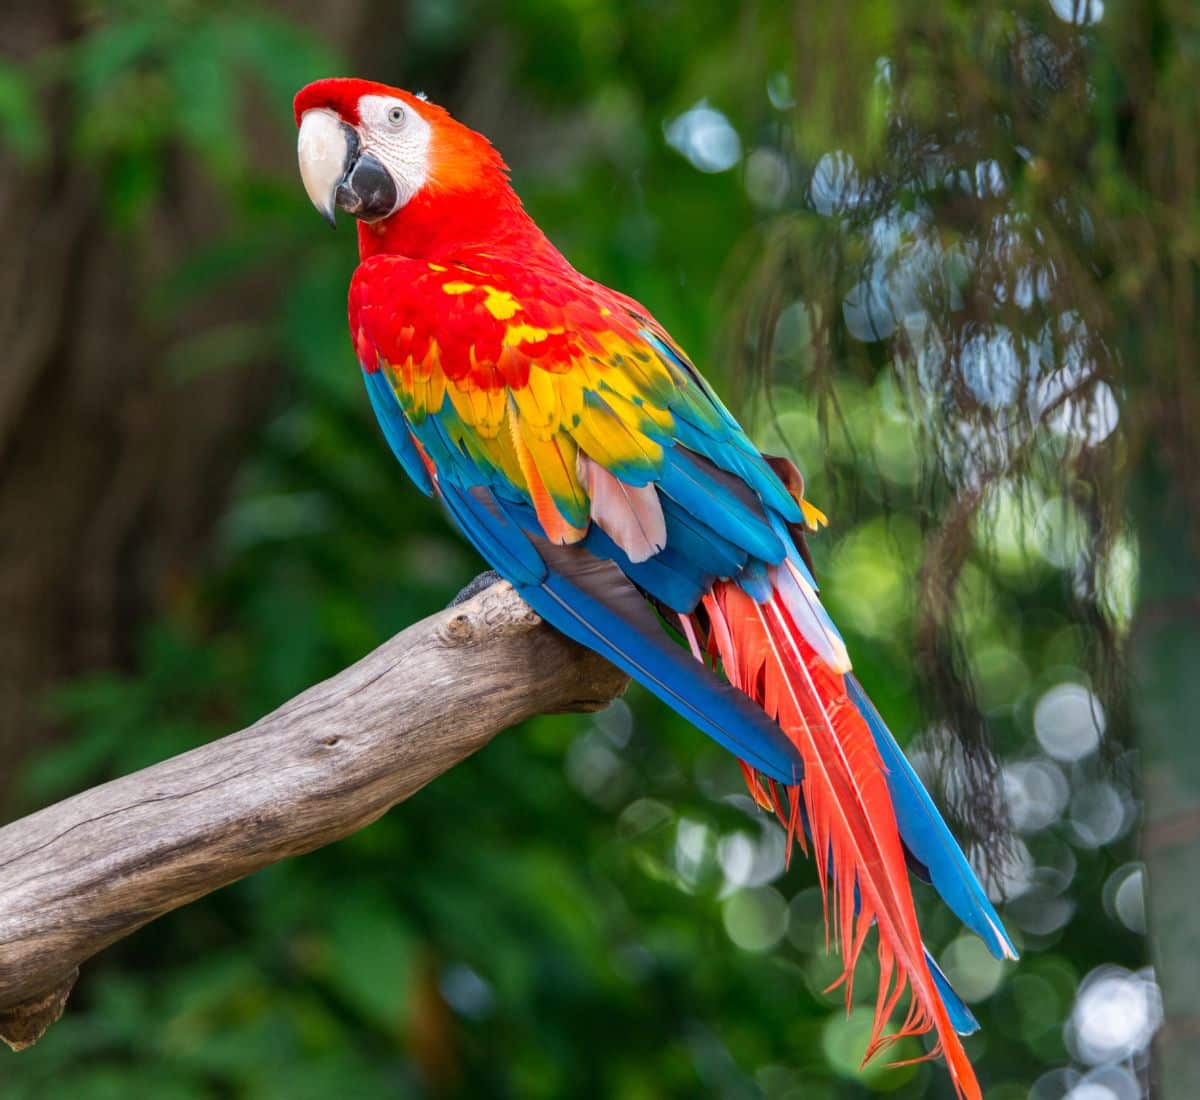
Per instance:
(485,580)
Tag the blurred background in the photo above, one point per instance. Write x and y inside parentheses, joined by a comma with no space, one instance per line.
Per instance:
(945,255)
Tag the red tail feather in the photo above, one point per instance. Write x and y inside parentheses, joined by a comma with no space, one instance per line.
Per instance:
(851,821)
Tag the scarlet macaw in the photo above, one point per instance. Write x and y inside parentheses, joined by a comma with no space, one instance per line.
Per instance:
(576,446)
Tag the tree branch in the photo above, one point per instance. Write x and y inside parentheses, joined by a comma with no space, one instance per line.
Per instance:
(79,875)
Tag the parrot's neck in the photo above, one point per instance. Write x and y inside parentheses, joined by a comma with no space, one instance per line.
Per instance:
(459,225)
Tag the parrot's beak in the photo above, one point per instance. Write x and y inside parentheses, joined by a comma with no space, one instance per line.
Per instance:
(338,172)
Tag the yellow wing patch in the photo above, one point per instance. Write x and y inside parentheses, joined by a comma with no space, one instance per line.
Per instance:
(501,304)
(599,391)
(515,335)
(551,478)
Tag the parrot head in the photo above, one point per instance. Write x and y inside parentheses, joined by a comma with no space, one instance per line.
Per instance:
(370,150)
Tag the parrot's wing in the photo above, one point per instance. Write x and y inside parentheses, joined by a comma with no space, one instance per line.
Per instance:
(578,403)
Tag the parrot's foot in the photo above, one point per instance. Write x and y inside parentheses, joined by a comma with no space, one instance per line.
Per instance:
(484,580)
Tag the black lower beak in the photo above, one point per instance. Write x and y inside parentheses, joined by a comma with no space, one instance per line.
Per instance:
(367,190)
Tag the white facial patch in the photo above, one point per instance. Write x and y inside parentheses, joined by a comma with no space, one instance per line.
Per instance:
(400,138)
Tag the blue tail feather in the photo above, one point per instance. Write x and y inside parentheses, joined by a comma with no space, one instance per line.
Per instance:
(925,834)
(961,1017)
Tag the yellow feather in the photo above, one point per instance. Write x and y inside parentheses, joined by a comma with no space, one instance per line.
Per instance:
(813,516)
(436,383)
(500,304)
(639,417)
(538,409)
(605,437)
(461,401)
(502,454)
(516,335)
(487,410)
(563,390)
(549,468)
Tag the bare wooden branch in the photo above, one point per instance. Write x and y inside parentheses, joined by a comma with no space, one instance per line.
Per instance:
(79,875)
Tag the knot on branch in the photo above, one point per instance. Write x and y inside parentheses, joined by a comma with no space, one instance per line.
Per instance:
(459,630)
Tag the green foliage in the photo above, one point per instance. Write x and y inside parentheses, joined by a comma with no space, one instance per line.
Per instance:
(589,906)
(20,119)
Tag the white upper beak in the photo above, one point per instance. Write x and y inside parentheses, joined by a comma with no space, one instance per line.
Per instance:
(322,149)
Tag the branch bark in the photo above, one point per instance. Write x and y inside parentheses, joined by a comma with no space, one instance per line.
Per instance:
(81,874)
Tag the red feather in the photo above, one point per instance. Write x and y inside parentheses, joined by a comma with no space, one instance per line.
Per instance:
(844,791)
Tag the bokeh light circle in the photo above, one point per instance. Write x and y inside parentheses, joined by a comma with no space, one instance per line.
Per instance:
(1069,722)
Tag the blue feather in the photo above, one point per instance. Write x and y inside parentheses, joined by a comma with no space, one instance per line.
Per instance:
(692,377)
(395,428)
(552,581)
(750,467)
(754,581)
(447,456)
(700,494)
(926,836)
(505,546)
(667,576)
(696,541)
(674,676)
(961,1017)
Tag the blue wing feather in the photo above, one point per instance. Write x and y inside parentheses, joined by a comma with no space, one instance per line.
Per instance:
(690,487)
(395,428)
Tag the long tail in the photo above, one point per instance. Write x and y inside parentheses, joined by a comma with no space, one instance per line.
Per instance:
(845,803)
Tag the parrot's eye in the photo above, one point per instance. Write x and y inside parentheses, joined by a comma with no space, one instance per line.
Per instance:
(396,116)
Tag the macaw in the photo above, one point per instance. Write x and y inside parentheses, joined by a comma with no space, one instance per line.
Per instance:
(580,451)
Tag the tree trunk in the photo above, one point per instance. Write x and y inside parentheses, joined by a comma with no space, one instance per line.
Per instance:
(112,472)
(1161,261)
(1166,657)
